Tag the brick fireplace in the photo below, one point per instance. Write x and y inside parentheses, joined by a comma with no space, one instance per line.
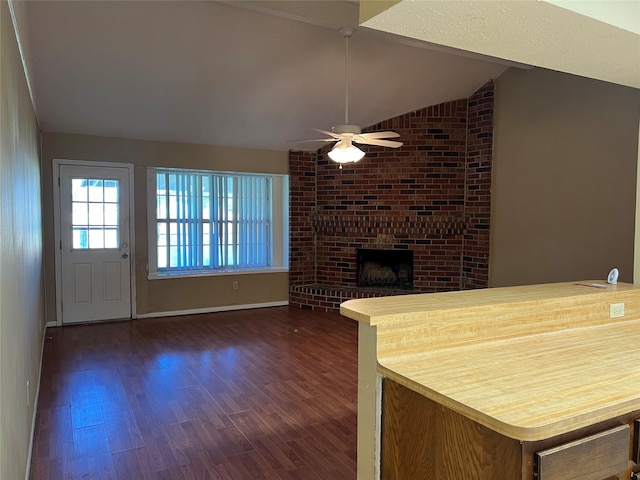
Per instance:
(430,197)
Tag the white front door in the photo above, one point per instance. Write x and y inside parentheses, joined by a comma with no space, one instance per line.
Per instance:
(94,243)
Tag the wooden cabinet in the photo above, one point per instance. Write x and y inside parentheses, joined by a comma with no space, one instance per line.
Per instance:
(422,439)
(484,379)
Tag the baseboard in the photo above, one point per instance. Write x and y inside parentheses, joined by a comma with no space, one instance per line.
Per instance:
(51,323)
(35,404)
(225,308)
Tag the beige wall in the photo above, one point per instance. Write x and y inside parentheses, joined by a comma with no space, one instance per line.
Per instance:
(164,295)
(21,286)
(564,178)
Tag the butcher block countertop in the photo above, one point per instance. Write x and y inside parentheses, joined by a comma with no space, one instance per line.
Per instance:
(529,362)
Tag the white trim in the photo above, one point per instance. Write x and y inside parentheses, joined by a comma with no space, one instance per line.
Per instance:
(225,308)
(35,405)
(369,404)
(214,273)
(57,239)
(57,234)
(51,324)
(152,227)
(23,59)
(636,243)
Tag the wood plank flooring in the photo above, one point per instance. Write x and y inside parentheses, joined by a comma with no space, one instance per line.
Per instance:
(253,394)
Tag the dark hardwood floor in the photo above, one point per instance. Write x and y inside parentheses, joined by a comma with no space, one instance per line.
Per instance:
(253,394)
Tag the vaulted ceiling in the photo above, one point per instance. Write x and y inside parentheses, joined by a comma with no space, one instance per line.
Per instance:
(255,74)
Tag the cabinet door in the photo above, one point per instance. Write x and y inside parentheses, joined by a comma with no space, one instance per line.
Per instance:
(422,440)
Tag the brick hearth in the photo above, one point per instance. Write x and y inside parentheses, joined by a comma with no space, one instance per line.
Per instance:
(432,196)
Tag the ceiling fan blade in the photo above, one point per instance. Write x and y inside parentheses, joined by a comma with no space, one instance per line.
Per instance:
(378,142)
(315,140)
(380,135)
(333,137)
(326,132)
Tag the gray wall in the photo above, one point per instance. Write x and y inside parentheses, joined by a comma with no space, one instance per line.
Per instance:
(21,285)
(564,178)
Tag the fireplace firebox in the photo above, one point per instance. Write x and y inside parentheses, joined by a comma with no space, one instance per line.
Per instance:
(380,268)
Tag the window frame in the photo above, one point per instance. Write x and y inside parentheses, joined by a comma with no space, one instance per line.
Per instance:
(279,226)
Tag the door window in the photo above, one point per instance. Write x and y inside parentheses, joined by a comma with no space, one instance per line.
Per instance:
(95,216)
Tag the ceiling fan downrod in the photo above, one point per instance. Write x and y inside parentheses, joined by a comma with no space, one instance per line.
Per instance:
(346,33)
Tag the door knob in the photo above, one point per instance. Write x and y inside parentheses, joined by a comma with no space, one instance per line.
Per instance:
(125,255)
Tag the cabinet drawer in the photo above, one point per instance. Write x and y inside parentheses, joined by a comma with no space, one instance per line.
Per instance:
(598,456)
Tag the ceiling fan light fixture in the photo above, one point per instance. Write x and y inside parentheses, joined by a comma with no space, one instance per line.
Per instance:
(347,134)
(345,152)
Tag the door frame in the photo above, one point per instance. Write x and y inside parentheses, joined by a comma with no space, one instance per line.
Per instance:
(57,163)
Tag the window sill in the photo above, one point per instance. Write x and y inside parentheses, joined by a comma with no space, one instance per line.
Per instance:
(216,273)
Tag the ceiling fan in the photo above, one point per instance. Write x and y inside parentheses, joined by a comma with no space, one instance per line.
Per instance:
(344,151)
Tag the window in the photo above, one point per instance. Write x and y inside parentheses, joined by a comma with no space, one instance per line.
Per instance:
(94,213)
(211,222)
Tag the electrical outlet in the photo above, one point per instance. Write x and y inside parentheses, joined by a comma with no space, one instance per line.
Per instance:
(235,284)
(616,310)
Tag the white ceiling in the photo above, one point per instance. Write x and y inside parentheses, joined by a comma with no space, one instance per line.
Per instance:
(248,74)
(238,73)
(591,38)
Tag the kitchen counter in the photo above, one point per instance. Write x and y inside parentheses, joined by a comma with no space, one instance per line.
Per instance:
(533,387)
(529,363)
